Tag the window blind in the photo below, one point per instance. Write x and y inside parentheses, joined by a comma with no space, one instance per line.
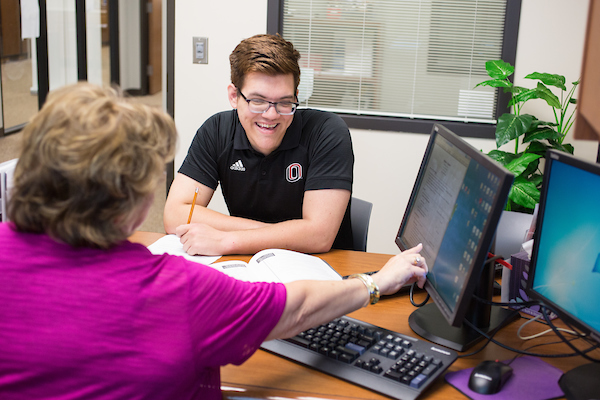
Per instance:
(399,58)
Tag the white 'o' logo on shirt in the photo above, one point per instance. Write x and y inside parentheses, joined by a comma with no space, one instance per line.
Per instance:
(293,172)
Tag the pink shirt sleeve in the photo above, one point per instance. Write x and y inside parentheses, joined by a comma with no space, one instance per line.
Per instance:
(229,319)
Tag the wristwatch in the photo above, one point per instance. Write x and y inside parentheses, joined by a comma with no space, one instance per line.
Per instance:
(371,286)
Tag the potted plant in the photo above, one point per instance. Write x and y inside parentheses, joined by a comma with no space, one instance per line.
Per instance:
(527,130)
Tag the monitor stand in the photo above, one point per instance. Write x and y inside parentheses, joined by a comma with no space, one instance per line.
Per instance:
(581,382)
(429,323)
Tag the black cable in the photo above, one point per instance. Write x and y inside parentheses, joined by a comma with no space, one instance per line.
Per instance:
(523,352)
(568,343)
(537,345)
(497,304)
(545,311)
(489,338)
(412,301)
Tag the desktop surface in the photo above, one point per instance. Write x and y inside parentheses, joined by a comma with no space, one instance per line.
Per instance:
(265,375)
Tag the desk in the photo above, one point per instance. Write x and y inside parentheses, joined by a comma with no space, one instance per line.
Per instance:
(268,376)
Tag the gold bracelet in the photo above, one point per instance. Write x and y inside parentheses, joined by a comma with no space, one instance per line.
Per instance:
(371,286)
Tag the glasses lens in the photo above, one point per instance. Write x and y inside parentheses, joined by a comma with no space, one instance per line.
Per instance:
(258,106)
(285,108)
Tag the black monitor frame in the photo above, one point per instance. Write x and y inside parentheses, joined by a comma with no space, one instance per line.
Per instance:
(583,379)
(430,321)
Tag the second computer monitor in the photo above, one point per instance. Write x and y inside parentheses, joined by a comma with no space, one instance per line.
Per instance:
(453,210)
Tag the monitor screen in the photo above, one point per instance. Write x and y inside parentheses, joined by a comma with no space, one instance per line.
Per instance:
(565,263)
(453,210)
(564,271)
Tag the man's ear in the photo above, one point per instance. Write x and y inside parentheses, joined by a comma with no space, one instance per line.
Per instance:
(233,95)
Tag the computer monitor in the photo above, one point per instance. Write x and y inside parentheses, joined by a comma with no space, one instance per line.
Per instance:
(564,271)
(453,210)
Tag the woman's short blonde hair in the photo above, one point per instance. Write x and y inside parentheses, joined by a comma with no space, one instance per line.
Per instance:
(91,159)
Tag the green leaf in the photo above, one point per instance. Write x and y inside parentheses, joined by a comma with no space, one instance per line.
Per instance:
(515,89)
(524,193)
(546,94)
(525,95)
(567,148)
(498,69)
(495,83)
(540,92)
(502,157)
(536,179)
(520,164)
(511,126)
(538,122)
(573,101)
(549,79)
(537,147)
(544,133)
(531,169)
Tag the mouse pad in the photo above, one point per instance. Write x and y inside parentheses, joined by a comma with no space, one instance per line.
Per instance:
(532,379)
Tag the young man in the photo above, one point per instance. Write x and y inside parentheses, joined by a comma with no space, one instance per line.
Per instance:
(286,174)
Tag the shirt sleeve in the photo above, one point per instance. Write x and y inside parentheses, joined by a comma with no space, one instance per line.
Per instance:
(200,164)
(229,319)
(330,153)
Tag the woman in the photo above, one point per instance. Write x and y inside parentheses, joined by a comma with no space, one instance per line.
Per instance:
(86,314)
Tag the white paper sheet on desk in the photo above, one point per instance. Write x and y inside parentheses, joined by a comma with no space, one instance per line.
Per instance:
(171,244)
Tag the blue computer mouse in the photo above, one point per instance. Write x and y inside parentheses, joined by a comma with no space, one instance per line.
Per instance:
(489,377)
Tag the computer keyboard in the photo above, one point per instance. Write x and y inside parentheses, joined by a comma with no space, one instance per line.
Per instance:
(378,359)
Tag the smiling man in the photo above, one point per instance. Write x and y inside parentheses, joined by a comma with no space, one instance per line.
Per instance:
(285,173)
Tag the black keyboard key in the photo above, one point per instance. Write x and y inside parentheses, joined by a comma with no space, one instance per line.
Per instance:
(300,341)
(395,375)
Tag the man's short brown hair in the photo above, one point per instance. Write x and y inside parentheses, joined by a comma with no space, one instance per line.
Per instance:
(265,54)
(90,161)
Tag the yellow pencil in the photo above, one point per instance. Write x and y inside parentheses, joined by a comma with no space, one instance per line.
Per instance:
(193,204)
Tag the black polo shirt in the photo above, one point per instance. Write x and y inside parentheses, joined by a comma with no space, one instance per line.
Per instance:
(316,153)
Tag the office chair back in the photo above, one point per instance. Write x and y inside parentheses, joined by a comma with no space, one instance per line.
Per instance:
(360,215)
(7,170)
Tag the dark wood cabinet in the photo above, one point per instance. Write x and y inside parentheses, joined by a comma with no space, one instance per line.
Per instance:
(587,126)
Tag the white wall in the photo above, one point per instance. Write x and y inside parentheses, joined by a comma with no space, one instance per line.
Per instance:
(550,40)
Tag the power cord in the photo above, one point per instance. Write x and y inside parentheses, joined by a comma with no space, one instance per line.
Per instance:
(577,352)
(539,334)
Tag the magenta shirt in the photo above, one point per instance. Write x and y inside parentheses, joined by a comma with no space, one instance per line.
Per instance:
(121,323)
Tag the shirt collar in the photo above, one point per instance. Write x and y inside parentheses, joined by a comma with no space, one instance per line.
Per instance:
(291,139)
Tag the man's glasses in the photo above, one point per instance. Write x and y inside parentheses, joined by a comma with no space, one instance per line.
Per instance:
(259,106)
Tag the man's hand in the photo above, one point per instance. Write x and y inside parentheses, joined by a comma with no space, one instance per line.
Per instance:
(201,239)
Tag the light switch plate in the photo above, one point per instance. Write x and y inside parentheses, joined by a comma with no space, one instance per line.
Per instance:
(200,55)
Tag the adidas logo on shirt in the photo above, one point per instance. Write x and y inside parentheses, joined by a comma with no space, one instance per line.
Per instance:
(237,166)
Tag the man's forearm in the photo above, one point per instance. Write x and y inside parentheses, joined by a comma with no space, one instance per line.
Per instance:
(299,235)
(177,216)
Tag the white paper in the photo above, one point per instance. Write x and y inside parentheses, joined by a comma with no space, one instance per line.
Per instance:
(171,244)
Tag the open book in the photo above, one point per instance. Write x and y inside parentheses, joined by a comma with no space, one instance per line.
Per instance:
(277,265)
(272,265)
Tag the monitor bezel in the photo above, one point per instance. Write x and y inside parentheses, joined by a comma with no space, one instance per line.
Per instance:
(455,316)
(553,156)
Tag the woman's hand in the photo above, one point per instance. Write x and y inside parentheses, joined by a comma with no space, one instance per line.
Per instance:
(405,268)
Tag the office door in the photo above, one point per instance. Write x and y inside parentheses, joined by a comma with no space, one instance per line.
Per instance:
(18,92)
